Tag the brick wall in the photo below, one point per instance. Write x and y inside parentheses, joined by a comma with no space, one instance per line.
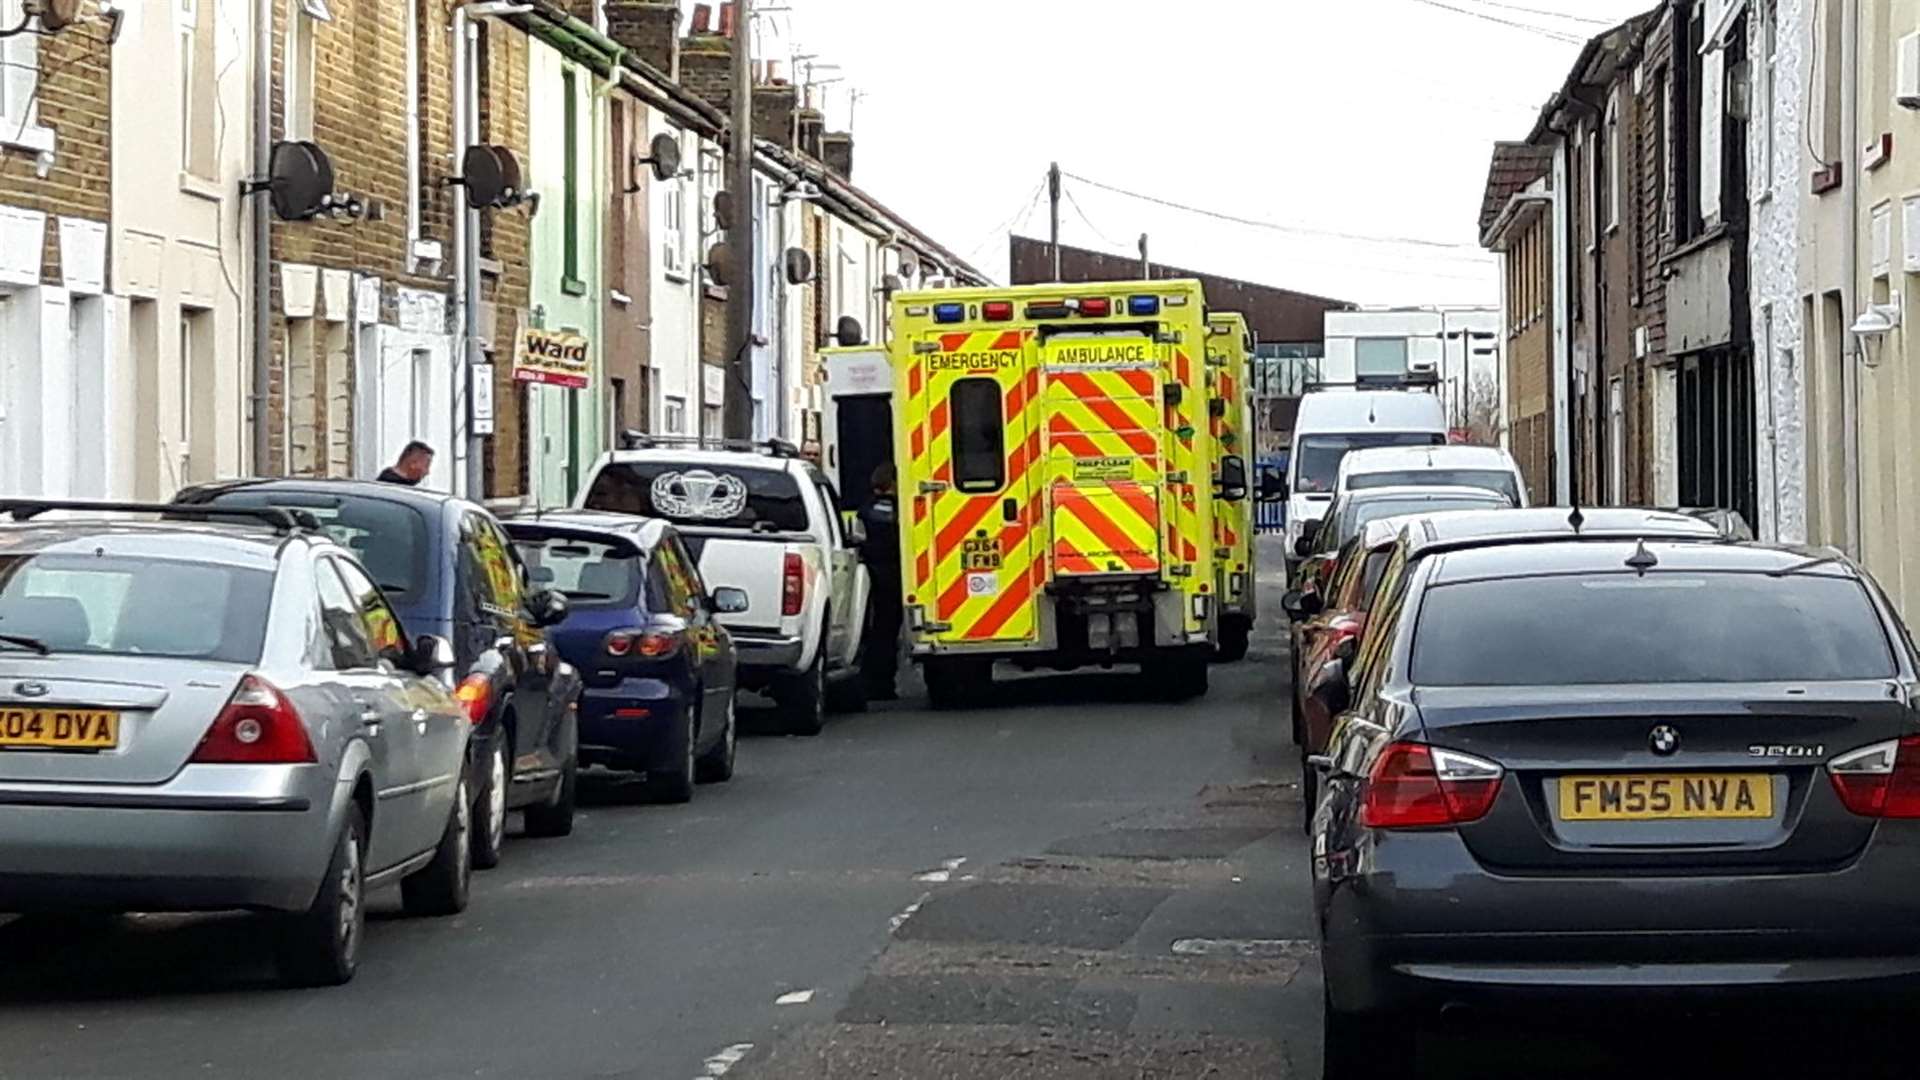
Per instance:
(650,28)
(706,68)
(504,122)
(774,114)
(75,70)
(626,341)
(836,152)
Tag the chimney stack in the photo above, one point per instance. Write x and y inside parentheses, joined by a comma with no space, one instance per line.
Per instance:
(650,30)
(836,152)
(706,61)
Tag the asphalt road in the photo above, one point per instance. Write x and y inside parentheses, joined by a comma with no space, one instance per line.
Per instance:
(1070,882)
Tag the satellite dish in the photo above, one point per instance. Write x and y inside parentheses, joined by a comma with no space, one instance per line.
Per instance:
(799,266)
(299,180)
(909,266)
(848,332)
(891,283)
(719,259)
(486,183)
(723,210)
(663,153)
(509,174)
(58,14)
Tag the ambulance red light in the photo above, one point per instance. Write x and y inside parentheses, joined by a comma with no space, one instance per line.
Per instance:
(1098,307)
(997,310)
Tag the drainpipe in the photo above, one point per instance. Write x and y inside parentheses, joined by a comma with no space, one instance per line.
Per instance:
(262,233)
(466,263)
(1850,291)
(781,429)
(1563,244)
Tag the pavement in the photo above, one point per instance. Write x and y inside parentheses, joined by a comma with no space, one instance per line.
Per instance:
(1072,881)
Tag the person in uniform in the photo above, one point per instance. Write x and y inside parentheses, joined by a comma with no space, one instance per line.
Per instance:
(880,651)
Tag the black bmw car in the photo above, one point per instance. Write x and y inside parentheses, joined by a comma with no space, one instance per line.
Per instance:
(1590,766)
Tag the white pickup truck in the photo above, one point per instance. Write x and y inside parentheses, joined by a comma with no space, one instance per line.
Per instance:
(760,519)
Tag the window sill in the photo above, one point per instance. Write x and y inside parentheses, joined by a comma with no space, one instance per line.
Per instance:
(200,187)
(573,286)
(492,268)
(677,277)
(33,138)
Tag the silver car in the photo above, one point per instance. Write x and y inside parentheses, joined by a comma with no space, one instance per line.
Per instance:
(219,710)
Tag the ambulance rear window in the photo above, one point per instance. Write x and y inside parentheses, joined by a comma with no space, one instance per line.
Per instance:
(979,435)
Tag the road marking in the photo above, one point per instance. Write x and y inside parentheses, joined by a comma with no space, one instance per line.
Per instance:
(720,1063)
(1248,947)
(942,875)
(895,923)
(797,997)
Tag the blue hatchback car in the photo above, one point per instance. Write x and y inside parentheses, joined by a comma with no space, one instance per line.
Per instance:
(641,627)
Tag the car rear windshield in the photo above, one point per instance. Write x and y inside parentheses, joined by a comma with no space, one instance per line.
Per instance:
(135,606)
(589,573)
(1499,480)
(1320,455)
(1663,627)
(1358,513)
(710,496)
(389,538)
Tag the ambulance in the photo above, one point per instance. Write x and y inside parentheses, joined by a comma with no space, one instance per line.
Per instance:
(1230,426)
(1059,481)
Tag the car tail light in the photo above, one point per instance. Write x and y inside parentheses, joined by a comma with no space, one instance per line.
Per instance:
(1415,786)
(475,694)
(997,310)
(1882,780)
(258,726)
(641,643)
(793,585)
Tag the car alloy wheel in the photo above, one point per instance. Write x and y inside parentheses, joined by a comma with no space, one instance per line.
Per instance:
(497,798)
(352,905)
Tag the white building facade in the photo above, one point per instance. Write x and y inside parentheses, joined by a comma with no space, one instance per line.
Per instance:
(1779,31)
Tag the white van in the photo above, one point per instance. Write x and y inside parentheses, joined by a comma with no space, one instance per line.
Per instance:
(1487,467)
(1333,422)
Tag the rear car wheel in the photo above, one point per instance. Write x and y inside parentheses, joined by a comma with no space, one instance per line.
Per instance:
(675,783)
(716,765)
(803,697)
(955,683)
(442,886)
(1364,1046)
(555,817)
(1236,633)
(321,945)
(490,806)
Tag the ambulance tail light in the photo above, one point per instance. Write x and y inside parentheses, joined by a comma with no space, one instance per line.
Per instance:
(1143,305)
(1098,307)
(997,310)
(949,313)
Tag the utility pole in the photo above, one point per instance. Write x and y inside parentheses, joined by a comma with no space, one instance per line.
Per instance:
(737,410)
(1146,264)
(1053,214)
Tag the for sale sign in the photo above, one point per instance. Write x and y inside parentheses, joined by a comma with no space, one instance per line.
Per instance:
(553,358)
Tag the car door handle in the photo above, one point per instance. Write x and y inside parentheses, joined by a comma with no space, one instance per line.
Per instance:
(420,721)
(1009,510)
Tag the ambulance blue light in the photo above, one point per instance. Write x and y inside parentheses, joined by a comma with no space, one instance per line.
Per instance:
(1143,305)
(946,313)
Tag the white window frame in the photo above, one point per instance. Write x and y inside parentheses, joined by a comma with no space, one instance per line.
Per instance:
(1613,160)
(302,52)
(1767,29)
(673,414)
(413,133)
(673,236)
(20,125)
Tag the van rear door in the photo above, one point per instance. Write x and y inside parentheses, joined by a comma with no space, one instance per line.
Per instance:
(1103,453)
(974,453)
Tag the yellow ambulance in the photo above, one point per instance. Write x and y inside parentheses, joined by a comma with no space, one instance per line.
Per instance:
(1230,426)
(1058,481)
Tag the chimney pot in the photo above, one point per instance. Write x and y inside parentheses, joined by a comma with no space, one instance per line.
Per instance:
(702,18)
(726,19)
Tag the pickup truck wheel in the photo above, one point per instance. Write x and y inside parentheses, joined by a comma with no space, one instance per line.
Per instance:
(803,697)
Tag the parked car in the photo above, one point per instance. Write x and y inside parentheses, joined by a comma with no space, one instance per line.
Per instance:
(200,717)
(1575,764)
(1334,422)
(450,571)
(1486,467)
(762,520)
(643,630)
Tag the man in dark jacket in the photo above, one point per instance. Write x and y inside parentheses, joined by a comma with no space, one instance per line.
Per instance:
(880,652)
(414,464)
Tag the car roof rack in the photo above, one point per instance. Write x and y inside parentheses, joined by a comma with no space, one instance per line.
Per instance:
(1412,380)
(281,519)
(641,440)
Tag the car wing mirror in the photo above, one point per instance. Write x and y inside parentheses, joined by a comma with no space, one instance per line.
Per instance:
(432,655)
(549,608)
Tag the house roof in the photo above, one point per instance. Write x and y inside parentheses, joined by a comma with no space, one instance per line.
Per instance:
(1597,65)
(1515,165)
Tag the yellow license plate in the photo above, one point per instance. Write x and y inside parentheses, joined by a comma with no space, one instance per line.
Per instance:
(58,729)
(1666,797)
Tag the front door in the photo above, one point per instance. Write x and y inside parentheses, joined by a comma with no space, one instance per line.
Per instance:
(975,454)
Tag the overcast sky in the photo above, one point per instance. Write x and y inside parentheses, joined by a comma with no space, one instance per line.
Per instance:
(1371,118)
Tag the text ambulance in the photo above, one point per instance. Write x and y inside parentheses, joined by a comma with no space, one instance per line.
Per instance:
(1058,478)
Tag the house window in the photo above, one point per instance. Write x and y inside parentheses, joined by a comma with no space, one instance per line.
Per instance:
(1380,358)
(979,435)
(1768,33)
(297,120)
(674,416)
(193,30)
(570,193)
(1610,171)
(673,242)
(1664,124)
(19,73)
(712,421)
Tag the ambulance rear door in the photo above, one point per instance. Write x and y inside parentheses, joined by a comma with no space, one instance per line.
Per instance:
(1104,465)
(972,487)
